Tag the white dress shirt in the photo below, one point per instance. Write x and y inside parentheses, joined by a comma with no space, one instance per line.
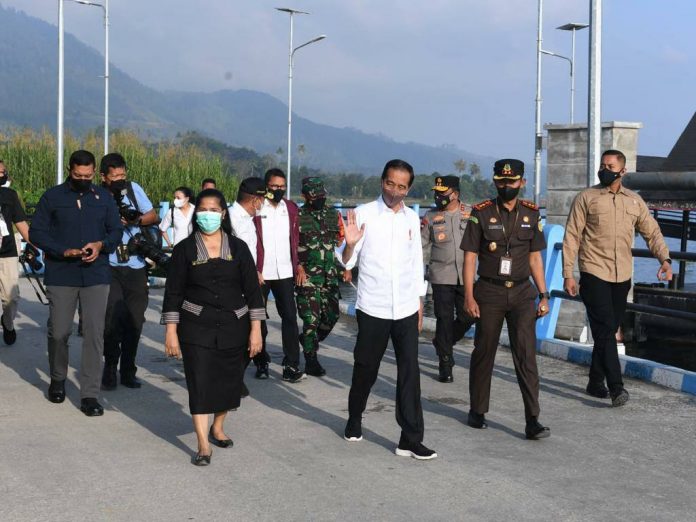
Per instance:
(390,261)
(180,224)
(243,227)
(275,230)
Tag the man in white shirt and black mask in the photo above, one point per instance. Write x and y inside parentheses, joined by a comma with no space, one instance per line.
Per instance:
(383,238)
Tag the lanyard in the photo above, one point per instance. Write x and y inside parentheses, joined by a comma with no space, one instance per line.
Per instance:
(508,238)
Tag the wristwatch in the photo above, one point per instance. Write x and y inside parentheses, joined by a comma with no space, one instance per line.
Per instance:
(544,295)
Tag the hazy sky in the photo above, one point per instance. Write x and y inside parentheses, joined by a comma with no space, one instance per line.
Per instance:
(434,71)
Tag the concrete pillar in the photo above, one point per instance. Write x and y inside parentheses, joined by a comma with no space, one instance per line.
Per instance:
(566,175)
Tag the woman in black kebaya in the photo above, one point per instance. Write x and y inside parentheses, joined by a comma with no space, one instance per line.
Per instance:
(212,311)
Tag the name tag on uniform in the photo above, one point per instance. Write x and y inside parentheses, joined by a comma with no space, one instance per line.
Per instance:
(505,268)
(495,227)
(526,225)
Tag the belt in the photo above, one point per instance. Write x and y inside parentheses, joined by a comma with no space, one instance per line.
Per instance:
(502,282)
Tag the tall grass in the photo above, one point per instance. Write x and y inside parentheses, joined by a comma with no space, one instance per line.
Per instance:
(159,167)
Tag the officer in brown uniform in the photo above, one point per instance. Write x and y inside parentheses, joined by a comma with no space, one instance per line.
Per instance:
(442,230)
(505,235)
(601,226)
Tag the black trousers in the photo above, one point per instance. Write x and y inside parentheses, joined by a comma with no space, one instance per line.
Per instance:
(284,294)
(452,322)
(373,337)
(605,303)
(517,307)
(125,315)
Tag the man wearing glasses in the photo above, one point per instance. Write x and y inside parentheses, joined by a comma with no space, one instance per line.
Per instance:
(277,262)
(77,226)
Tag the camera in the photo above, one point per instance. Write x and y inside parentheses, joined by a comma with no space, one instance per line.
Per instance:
(128,213)
(141,245)
(31,256)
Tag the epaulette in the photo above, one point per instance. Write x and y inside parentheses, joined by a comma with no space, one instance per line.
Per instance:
(529,204)
(483,204)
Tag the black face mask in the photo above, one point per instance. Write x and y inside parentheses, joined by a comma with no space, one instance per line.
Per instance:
(442,201)
(508,193)
(80,185)
(607,177)
(3,179)
(278,195)
(117,186)
(317,204)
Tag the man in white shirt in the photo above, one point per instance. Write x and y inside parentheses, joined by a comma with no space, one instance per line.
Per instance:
(278,237)
(250,199)
(383,238)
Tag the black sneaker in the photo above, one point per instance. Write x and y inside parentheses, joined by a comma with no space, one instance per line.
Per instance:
(534,430)
(292,374)
(9,336)
(415,450)
(619,398)
(597,389)
(312,366)
(353,431)
(476,420)
(261,371)
(91,407)
(109,379)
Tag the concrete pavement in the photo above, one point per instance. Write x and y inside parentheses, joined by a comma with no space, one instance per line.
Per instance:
(289,461)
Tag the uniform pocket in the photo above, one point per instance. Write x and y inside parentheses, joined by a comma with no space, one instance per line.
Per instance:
(597,215)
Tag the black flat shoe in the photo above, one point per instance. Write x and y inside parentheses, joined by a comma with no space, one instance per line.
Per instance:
(91,408)
(261,372)
(535,431)
(9,336)
(202,460)
(56,391)
(220,443)
(476,420)
(131,382)
(445,373)
(597,389)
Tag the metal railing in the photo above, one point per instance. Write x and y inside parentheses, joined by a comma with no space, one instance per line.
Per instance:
(553,266)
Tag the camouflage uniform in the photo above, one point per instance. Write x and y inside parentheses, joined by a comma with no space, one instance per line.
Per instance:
(321,231)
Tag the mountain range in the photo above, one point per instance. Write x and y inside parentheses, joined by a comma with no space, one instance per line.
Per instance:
(243,118)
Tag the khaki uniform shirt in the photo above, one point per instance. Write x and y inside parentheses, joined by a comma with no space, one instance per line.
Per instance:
(441,235)
(600,230)
(490,228)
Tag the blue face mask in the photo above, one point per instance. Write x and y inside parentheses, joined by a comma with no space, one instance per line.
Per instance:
(209,222)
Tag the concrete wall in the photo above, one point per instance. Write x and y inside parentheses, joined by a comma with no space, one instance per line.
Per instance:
(566,175)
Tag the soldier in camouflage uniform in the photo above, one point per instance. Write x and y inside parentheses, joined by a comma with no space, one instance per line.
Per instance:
(321,231)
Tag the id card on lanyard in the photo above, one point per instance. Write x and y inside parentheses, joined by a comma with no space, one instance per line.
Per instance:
(505,266)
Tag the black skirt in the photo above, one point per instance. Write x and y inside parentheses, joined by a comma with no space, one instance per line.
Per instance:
(213,377)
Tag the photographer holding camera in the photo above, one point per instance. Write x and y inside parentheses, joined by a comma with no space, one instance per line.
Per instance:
(11,213)
(128,294)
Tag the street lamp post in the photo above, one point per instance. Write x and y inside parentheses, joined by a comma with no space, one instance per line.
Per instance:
(594,94)
(573,27)
(105,8)
(61,82)
(538,139)
(291,55)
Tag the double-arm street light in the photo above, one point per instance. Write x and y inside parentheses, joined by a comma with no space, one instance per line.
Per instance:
(291,55)
(61,80)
